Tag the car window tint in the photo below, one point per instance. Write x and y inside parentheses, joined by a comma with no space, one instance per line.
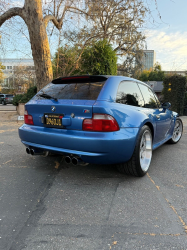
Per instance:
(149,98)
(76,91)
(129,93)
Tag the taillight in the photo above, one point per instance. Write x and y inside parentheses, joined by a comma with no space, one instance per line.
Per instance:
(6,98)
(28,118)
(100,122)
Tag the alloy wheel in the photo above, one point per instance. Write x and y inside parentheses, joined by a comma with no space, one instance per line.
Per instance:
(145,150)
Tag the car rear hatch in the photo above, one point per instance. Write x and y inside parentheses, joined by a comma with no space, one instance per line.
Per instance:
(65,102)
(9,98)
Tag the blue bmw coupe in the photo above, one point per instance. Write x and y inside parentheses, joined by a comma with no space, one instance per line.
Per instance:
(101,120)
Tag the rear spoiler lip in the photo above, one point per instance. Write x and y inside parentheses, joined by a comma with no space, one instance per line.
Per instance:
(80,79)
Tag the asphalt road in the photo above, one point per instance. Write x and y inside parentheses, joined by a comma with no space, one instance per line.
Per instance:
(8,107)
(47,204)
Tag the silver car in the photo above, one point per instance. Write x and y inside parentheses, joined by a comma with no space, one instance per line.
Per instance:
(6,99)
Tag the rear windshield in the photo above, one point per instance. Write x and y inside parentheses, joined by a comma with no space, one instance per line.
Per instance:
(79,91)
(9,95)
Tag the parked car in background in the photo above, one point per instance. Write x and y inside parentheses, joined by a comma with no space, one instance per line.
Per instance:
(101,120)
(6,99)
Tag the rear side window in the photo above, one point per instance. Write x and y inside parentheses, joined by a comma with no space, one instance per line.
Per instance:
(129,93)
(79,91)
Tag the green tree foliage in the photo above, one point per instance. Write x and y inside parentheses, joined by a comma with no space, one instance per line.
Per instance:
(144,76)
(155,74)
(1,72)
(24,98)
(174,92)
(99,59)
(67,61)
(119,22)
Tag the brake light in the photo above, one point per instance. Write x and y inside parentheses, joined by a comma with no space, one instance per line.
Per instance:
(100,122)
(28,118)
(74,77)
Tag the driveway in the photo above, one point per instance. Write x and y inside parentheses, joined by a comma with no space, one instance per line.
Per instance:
(48,204)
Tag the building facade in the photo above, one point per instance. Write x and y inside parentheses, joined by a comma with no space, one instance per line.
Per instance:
(19,74)
(148,59)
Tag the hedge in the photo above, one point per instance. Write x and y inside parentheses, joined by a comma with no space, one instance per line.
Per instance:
(24,98)
(174,92)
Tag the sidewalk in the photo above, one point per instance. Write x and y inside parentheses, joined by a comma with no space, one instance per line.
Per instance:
(9,116)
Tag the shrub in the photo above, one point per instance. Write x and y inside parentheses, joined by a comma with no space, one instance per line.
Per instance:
(99,59)
(16,99)
(24,98)
(174,92)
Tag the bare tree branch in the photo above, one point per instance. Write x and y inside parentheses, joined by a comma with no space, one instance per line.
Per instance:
(11,13)
(57,22)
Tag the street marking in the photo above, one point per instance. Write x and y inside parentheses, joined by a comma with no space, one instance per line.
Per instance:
(9,130)
(18,166)
(7,162)
(172,207)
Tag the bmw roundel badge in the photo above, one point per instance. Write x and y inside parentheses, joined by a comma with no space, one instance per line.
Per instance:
(53,108)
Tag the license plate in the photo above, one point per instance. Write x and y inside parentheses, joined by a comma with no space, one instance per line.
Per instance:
(53,120)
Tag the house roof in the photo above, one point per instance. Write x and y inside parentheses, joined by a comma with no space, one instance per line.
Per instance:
(156,86)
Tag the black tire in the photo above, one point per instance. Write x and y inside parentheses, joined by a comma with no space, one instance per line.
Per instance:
(3,103)
(176,132)
(133,166)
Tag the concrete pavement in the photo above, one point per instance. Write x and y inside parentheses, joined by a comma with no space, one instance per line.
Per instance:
(47,204)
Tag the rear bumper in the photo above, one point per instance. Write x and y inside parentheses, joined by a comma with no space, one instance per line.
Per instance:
(91,147)
(8,102)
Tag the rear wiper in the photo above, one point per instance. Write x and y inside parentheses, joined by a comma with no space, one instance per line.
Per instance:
(48,96)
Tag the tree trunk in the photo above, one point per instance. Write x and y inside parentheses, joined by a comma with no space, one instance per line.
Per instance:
(39,42)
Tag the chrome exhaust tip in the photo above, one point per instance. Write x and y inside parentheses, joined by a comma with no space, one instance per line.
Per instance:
(28,151)
(78,161)
(68,159)
(75,161)
(32,151)
(44,153)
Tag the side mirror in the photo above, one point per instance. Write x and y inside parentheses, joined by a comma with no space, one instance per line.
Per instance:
(166,105)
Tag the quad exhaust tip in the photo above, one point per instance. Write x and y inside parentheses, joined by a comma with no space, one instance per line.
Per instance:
(33,152)
(28,151)
(68,159)
(75,161)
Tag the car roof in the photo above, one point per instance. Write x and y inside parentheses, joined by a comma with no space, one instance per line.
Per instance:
(90,77)
(93,78)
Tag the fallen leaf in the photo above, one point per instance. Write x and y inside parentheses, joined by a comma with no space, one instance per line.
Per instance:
(57,164)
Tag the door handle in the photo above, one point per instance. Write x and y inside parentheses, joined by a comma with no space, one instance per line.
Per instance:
(157,116)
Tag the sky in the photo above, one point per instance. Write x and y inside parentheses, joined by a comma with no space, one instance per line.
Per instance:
(166,36)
